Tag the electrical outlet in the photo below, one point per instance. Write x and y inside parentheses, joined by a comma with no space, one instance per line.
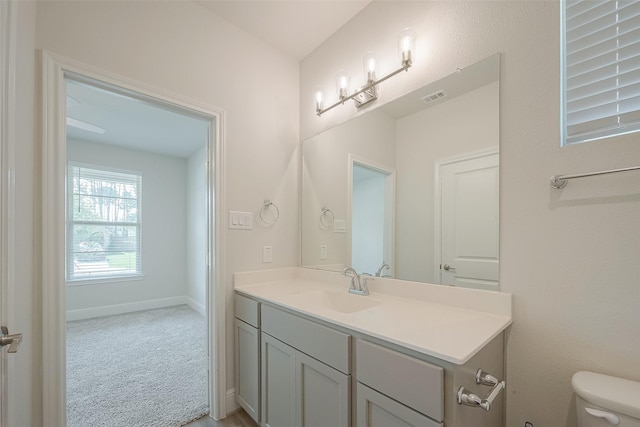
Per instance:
(323,251)
(267,254)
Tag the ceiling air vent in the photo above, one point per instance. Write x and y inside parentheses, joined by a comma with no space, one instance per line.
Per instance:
(434,96)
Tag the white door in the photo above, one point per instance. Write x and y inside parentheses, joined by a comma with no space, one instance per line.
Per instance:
(469,217)
(8,343)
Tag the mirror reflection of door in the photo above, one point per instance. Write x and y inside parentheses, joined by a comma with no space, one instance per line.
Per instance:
(372,202)
(469,217)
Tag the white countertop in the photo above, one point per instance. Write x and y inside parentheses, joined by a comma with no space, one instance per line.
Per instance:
(451,324)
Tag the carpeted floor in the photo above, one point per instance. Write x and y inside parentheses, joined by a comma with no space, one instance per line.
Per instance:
(147,368)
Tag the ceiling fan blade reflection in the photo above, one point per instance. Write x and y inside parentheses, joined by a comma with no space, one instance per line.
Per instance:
(84,126)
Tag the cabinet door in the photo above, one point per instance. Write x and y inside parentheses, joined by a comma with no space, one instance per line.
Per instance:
(377,410)
(278,383)
(322,394)
(247,364)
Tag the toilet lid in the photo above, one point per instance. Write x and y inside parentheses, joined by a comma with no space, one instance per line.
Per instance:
(616,394)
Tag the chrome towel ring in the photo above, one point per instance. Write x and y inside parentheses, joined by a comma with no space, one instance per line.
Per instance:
(265,208)
(326,218)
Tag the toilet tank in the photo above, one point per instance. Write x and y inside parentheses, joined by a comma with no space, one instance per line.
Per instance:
(605,401)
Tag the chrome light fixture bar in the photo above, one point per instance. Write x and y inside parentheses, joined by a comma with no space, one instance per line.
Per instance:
(369,91)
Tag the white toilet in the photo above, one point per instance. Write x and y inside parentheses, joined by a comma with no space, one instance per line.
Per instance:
(604,401)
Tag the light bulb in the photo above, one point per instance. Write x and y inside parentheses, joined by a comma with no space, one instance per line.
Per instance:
(407,46)
(319,97)
(342,84)
(370,63)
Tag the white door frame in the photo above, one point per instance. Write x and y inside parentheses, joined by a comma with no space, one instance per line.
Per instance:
(54,159)
(390,203)
(8,24)
(437,214)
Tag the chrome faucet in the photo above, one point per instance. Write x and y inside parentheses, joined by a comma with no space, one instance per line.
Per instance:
(382,267)
(356,287)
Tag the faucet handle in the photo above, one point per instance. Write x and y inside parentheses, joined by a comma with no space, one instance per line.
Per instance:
(363,284)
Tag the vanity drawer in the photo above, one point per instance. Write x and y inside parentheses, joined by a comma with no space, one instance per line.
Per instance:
(324,344)
(415,383)
(247,310)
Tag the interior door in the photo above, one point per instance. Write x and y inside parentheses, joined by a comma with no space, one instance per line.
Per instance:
(469,251)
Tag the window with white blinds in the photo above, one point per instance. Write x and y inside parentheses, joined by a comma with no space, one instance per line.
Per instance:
(601,69)
(103,224)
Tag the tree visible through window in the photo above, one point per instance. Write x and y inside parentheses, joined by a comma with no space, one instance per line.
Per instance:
(103,230)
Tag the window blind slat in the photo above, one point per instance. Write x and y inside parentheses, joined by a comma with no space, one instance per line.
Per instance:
(578,42)
(581,130)
(601,28)
(593,63)
(630,104)
(577,7)
(592,52)
(630,64)
(628,9)
(601,86)
(590,102)
(601,69)
(584,18)
(600,111)
(628,81)
(593,76)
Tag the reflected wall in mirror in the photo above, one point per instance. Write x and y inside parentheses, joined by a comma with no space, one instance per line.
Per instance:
(412,184)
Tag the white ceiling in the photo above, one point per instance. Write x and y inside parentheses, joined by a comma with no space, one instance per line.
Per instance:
(296,27)
(133,123)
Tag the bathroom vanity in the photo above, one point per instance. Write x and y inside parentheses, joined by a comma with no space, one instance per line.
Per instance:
(308,353)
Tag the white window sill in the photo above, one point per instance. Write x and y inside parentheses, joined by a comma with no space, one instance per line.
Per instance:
(105,280)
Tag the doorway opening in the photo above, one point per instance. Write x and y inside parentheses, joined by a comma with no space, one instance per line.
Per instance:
(371,205)
(116,254)
(136,251)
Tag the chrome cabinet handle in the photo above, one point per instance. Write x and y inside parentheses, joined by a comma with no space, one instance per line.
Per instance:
(13,340)
(448,267)
(465,397)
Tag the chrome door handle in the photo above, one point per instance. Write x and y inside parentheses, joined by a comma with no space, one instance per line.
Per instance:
(13,340)
(448,267)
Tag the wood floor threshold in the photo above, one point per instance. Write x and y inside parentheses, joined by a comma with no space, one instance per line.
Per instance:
(239,419)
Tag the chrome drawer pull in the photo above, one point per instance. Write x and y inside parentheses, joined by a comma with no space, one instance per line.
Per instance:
(465,397)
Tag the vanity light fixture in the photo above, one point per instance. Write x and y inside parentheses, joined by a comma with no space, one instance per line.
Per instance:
(369,91)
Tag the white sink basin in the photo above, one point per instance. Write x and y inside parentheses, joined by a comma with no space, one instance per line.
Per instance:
(341,302)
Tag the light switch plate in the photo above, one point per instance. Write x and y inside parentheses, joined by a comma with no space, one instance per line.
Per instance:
(241,220)
(340,226)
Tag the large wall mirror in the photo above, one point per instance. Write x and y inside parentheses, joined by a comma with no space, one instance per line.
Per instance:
(410,190)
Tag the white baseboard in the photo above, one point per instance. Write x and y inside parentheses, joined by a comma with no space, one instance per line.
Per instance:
(232,405)
(195,305)
(108,310)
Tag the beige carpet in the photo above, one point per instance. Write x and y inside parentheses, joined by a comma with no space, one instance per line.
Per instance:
(147,368)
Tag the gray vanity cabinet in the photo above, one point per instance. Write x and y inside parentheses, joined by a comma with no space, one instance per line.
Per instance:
(377,410)
(407,392)
(278,383)
(296,371)
(305,372)
(247,355)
